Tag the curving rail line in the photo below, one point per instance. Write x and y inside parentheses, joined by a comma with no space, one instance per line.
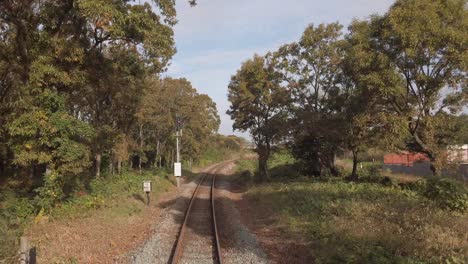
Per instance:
(191,216)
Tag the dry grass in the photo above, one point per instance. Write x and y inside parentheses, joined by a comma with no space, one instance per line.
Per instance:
(401,177)
(95,227)
(365,223)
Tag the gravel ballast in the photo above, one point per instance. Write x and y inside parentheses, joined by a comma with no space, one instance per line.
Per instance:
(238,245)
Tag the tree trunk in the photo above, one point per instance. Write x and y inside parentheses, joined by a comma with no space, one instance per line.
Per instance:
(354,176)
(140,157)
(172,159)
(139,164)
(98,164)
(111,166)
(330,163)
(119,166)
(2,167)
(157,155)
(433,157)
(263,169)
(263,155)
(435,168)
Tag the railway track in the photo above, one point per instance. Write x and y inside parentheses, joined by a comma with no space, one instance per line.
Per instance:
(198,240)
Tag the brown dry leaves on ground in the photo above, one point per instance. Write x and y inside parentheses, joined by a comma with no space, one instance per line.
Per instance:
(103,237)
(280,247)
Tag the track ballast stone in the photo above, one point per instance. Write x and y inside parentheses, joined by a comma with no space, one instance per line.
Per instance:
(238,245)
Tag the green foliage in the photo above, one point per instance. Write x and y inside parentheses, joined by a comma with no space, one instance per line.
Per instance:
(258,105)
(384,180)
(311,71)
(169,100)
(424,43)
(400,226)
(48,135)
(404,223)
(17,211)
(50,193)
(245,178)
(221,148)
(79,80)
(396,81)
(447,193)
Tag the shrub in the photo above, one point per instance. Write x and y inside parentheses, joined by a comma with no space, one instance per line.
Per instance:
(246,177)
(50,193)
(418,186)
(448,193)
(371,170)
(384,180)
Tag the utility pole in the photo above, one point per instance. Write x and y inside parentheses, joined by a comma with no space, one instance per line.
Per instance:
(178,165)
(177,146)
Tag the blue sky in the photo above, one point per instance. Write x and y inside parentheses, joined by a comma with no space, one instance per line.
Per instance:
(216,36)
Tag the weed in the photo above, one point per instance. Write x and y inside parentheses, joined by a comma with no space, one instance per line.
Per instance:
(375,220)
(110,191)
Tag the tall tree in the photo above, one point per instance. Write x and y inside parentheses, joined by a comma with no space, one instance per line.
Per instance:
(366,119)
(50,141)
(426,42)
(92,54)
(163,103)
(311,68)
(258,104)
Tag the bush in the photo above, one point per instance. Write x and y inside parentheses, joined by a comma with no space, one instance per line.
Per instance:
(371,170)
(384,180)
(14,214)
(343,222)
(246,177)
(448,193)
(418,186)
(50,193)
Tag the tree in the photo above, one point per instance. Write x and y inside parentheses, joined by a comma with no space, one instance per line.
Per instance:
(50,141)
(91,54)
(258,104)
(425,42)
(163,103)
(310,69)
(366,120)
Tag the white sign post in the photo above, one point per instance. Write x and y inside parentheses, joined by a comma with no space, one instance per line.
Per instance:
(177,169)
(147,186)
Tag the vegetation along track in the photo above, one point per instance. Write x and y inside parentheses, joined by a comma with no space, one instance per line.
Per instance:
(198,240)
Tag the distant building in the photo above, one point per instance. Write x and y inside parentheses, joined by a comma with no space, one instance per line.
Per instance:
(458,154)
(404,158)
(419,164)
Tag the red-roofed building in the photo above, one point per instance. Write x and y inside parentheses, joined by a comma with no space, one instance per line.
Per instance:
(405,158)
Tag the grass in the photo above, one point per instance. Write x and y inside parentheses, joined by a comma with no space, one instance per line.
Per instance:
(215,155)
(112,195)
(112,191)
(345,222)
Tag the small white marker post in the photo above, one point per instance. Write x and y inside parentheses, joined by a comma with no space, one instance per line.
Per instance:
(147,186)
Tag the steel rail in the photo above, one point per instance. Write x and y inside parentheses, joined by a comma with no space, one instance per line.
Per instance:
(179,244)
(215,225)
